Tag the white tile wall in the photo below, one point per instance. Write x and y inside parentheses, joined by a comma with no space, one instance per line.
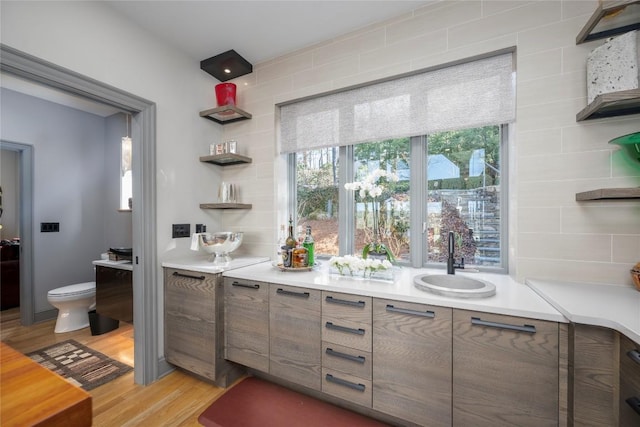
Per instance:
(555,157)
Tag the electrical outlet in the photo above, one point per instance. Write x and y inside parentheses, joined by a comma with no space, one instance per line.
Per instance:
(49,227)
(180,230)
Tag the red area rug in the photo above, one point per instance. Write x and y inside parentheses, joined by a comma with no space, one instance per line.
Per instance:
(257,403)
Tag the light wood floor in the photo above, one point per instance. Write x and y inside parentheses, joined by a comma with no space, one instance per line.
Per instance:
(175,400)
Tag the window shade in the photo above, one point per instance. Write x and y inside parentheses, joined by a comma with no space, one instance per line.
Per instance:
(472,94)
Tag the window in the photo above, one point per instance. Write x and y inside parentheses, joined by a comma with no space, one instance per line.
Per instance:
(461,191)
(420,156)
(126,181)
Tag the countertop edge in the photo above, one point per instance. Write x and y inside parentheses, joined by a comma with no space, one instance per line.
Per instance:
(537,285)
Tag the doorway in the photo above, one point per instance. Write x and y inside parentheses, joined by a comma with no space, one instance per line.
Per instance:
(145,293)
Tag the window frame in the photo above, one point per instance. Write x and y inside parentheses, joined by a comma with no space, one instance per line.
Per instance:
(417,189)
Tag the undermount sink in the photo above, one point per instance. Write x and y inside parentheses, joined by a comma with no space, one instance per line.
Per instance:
(450,285)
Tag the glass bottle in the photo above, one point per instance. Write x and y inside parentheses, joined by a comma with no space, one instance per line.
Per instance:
(309,244)
(291,240)
(282,237)
(299,257)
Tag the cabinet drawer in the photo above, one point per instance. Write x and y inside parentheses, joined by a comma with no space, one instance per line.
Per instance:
(349,334)
(629,382)
(346,359)
(353,308)
(246,322)
(345,386)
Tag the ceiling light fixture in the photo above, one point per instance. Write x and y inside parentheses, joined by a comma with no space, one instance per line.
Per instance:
(226,66)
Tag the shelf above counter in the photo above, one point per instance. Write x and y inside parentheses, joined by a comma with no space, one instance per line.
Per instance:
(609,194)
(611,17)
(612,104)
(226,159)
(225,114)
(225,206)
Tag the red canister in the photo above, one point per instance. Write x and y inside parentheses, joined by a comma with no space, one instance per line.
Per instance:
(226,94)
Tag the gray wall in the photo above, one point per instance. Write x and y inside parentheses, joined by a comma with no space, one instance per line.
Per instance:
(72,153)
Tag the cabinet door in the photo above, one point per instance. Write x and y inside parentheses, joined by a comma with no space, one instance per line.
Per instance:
(114,293)
(294,329)
(412,361)
(629,383)
(190,321)
(505,370)
(246,319)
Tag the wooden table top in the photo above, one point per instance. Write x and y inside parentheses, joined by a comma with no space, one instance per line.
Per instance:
(31,395)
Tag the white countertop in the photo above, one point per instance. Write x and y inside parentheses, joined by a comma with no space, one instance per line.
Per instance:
(122,265)
(512,298)
(203,265)
(611,306)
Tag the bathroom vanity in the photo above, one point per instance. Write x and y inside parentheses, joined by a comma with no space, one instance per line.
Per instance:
(114,289)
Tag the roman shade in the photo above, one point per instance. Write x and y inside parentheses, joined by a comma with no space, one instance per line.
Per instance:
(466,95)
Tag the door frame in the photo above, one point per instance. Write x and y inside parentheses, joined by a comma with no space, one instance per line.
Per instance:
(143,127)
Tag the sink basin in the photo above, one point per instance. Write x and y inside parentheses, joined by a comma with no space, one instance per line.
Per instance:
(450,285)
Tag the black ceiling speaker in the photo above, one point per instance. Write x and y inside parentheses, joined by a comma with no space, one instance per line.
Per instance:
(226,66)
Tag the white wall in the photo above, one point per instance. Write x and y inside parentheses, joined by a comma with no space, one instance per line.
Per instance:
(551,156)
(93,40)
(68,152)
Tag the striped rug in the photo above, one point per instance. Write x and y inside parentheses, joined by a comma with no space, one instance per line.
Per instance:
(80,365)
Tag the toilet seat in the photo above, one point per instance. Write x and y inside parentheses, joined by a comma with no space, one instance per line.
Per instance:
(79,289)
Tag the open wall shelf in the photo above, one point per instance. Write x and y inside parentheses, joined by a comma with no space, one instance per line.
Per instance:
(225,114)
(225,206)
(226,159)
(609,194)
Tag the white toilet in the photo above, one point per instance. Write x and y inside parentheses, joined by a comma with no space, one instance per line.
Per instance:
(73,303)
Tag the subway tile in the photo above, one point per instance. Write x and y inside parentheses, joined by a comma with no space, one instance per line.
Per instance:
(426,45)
(573,8)
(349,47)
(493,7)
(449,14)
(551,115)
(532,15)
(537,65)
(292,95)
(538,142)
(550,35)
(561,193)
(366,76)
(464,52)
(592,164)
(327,72)
(573,271)
(551,89)
(615,218)
(591,135)
(286,67)
(577,247)
(539,220)
(626,249)
(266,91)
(574,58)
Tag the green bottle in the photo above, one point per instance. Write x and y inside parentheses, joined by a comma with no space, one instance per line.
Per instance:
(309,244)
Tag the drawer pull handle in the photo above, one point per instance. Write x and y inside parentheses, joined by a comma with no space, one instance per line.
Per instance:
(524,328)
(175,273)
(634,402)
(330,325)
(427,313)
(634,355)
(245,285)
(358,359)
(293,294)
(333,300)
(340,381)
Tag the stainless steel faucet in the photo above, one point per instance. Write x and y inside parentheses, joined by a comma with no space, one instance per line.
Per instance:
(451,261)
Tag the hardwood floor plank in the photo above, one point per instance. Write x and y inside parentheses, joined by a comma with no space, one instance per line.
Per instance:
(175,400)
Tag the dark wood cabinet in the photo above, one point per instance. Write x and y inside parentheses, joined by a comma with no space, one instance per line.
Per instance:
(114,293)
(629,383)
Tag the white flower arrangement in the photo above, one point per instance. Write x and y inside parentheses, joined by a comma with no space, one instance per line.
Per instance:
(355,264)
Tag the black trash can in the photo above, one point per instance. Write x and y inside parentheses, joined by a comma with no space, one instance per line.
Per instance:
(101,324)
